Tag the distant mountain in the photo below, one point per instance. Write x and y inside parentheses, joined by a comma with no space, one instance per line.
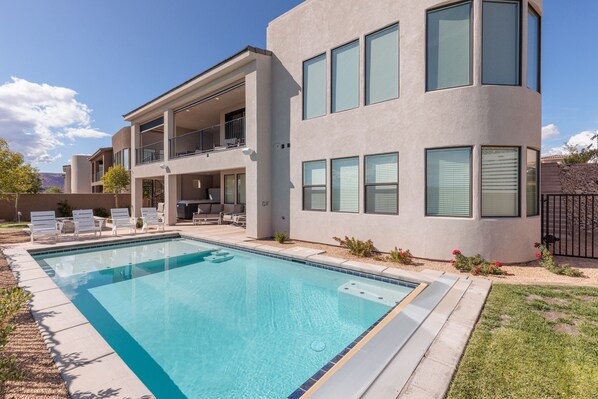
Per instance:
(52,179)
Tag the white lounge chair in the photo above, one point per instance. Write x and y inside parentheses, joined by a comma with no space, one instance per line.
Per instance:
(86,223)
(160,210)
(121,218)
(151,219)
(44,224)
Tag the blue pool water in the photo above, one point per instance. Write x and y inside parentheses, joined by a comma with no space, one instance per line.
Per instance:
(250,326)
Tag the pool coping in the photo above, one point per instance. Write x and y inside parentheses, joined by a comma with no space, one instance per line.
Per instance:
(83,378)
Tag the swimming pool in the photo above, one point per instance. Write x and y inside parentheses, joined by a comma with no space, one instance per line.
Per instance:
(201,321)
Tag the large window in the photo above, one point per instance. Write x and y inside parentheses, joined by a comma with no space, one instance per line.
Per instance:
(448,182)
(448,50)
(533,158)
(501,39)
(314,87)
(345,185)
(382,183)
(241,199)
(382,65)
(500,181)
(229,189)
(345,77)
(125,159)
(314,186)
(533,50)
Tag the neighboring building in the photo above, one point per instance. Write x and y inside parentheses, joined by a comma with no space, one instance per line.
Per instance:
(409,123)
(77,175)
(100,161)
(553,159)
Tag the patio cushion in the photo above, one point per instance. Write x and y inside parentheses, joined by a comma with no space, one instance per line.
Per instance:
(216,208)
(229,208)
(204,208)
(239,208)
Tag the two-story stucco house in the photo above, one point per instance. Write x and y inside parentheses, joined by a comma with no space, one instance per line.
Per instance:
(412,123)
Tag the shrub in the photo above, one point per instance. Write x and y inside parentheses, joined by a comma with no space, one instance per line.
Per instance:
(101,212)
(547,261)
(11,302)
(476,264)
(400,256)
(138,223)
(280,237)
(64,209)
(357,247)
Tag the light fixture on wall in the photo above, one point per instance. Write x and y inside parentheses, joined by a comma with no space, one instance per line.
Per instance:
(248,151)
(162,166)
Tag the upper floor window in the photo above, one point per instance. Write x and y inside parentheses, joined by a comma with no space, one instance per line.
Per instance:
(533,49)
(448,49)
(314,87)
(532,183)
(125,158)
(345,185)
(382,65)
(382,183)
(448,182)
(501,39)
(314,186)
(345,77)
(500,181)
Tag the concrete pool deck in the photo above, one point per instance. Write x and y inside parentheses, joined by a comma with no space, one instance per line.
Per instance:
(421,367)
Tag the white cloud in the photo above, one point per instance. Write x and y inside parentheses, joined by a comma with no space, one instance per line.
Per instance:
(580,140)
(550,131)
(36,118)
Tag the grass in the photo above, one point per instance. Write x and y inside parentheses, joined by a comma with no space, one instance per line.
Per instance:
(13,225)
(532,342)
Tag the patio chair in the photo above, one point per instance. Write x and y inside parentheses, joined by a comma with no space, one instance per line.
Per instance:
(86,223)
(208,213)
(121,218)
(160,210)
(230,211)
(151,219)
(44,223)
(239,220)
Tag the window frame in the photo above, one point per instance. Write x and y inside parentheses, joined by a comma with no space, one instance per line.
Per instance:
(234,188)
(365,64)
(303,186)
(471,188)
(538,171)
(332,185)
(332,86)
(303,107)
(471,43)
(366,184)
(532,10)
(518,182)
(520,69)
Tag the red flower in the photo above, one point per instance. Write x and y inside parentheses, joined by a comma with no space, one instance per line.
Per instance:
(537,245)
(456,252)
(538,255)
(498,264)
(475,273)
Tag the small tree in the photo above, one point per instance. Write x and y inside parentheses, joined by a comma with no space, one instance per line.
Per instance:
(16,176)
(577,155)
(54,190)
(116,180)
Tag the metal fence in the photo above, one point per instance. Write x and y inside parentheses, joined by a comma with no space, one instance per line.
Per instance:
(569,224)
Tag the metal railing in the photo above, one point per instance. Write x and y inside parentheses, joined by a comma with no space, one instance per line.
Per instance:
(150,153)
(208,139)
(569,225)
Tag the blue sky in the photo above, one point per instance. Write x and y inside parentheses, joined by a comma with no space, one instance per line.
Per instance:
(85,63)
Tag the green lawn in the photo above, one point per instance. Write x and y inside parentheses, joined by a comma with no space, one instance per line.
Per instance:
(532,342)
(13,225)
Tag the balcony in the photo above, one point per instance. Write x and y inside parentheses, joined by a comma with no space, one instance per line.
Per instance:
(209,139)
(150,153)
(97,177)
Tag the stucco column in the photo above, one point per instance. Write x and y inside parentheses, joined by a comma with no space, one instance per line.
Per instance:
(170,199)
(258,138)
(169,132)
(136,196)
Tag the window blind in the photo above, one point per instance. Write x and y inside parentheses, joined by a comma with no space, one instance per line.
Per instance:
(449,47)
(500,181)
(314,185)
(345,77)
(382,65)
(345,185)
(500,41)
(314,173)
(448,179)
(314,87)
(381,178)
(532,183)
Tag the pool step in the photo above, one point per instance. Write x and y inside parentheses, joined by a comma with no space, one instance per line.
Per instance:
(219,257)
(370,292)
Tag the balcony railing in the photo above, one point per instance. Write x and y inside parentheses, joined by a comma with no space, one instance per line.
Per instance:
(150,153)
(208,139)
(98,176)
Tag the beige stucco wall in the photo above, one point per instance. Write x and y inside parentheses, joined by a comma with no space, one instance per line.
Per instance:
(469,116)
(80,174)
